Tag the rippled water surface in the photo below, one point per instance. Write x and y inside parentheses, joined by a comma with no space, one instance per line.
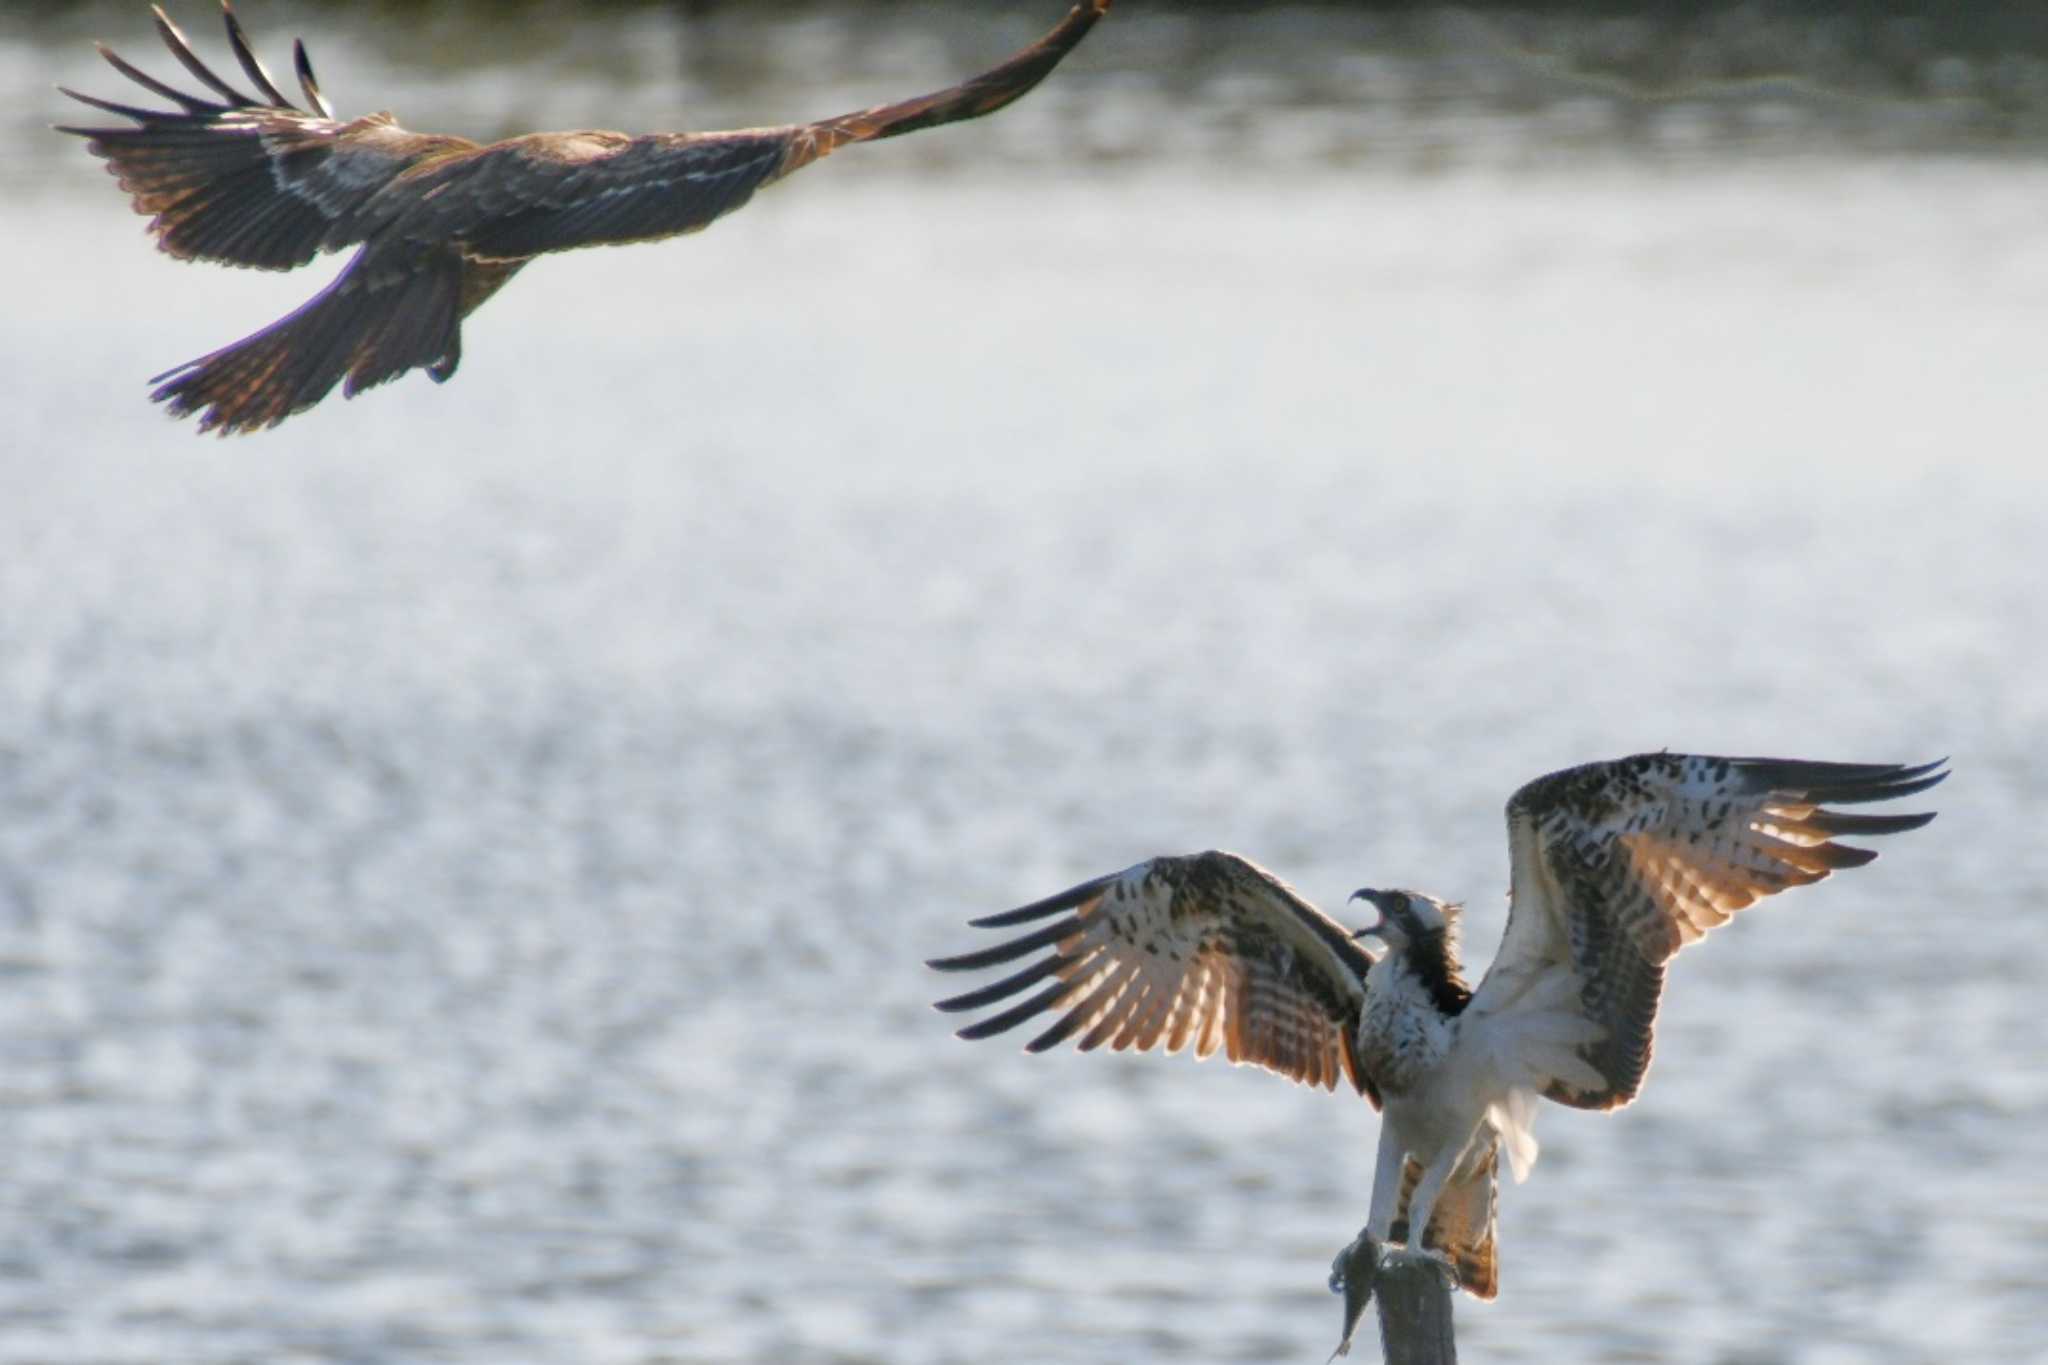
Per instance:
(466,857)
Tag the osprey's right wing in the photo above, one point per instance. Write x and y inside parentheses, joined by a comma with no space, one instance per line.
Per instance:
(1209,951)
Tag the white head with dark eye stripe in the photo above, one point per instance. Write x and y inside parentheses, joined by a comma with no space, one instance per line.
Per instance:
(1421,932)
(1409,918)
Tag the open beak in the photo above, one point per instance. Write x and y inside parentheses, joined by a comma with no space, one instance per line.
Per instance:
(1378,928)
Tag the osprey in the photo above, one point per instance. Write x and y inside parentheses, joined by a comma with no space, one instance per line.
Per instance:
(440,223)
(1615,867)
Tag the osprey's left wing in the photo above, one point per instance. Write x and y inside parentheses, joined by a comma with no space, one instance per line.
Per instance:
(1209,951)
(1618,865)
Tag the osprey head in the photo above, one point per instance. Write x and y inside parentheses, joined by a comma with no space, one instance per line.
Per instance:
(1408,918)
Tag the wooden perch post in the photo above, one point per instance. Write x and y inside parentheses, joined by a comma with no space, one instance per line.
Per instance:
(1414,1298)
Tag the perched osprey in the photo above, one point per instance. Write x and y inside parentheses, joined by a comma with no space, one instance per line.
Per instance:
(1616,866)
(440,222)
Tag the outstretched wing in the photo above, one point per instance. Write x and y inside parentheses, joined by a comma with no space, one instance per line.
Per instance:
(558,191)
(1618,865)
(252,179)
(1208,951)
(554,191)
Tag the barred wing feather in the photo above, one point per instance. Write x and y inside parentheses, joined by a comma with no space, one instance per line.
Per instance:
(1618,865)
(1207,951)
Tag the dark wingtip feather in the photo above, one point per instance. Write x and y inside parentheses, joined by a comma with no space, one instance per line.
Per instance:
(128,111)
(983,94)
(1008,951)
(1003,989)
(1898,781)
(252,67)
(1015,1015)
(181,48)
(1064,1029)
(191,104)
(1846,782)
(1836,857)
(1832,822)
(1069,899)
(1920,785)
(303,65)
(1860,792)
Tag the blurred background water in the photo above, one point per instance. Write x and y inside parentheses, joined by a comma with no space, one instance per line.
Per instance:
(466,856)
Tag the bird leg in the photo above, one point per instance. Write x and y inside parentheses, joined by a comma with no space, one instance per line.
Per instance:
(1386,1186)
(1398,1258)
(1423,1202)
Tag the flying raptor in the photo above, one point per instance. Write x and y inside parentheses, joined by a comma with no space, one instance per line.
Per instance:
(1615,867)
(440,223)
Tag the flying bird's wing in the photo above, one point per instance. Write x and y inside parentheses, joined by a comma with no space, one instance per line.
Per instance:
(557,191)
(252,179)
(1618,865)
(1207,950)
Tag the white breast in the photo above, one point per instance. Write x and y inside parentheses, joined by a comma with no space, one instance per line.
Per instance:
(1402,1035)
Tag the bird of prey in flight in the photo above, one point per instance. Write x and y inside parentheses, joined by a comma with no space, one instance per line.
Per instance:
(439,223)
(1615,867)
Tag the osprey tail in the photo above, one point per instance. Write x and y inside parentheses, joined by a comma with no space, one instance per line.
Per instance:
(1461,1226)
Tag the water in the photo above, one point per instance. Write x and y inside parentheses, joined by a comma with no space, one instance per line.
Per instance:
(465,857)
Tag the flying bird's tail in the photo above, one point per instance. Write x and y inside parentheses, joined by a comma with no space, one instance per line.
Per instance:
(983,94)
(380,318)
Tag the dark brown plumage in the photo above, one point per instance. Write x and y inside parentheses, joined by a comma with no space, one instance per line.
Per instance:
(440,223)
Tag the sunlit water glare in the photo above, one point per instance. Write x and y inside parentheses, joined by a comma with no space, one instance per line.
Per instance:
(466,857)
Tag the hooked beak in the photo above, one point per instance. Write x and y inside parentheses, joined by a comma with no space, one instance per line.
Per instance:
(1378,928)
